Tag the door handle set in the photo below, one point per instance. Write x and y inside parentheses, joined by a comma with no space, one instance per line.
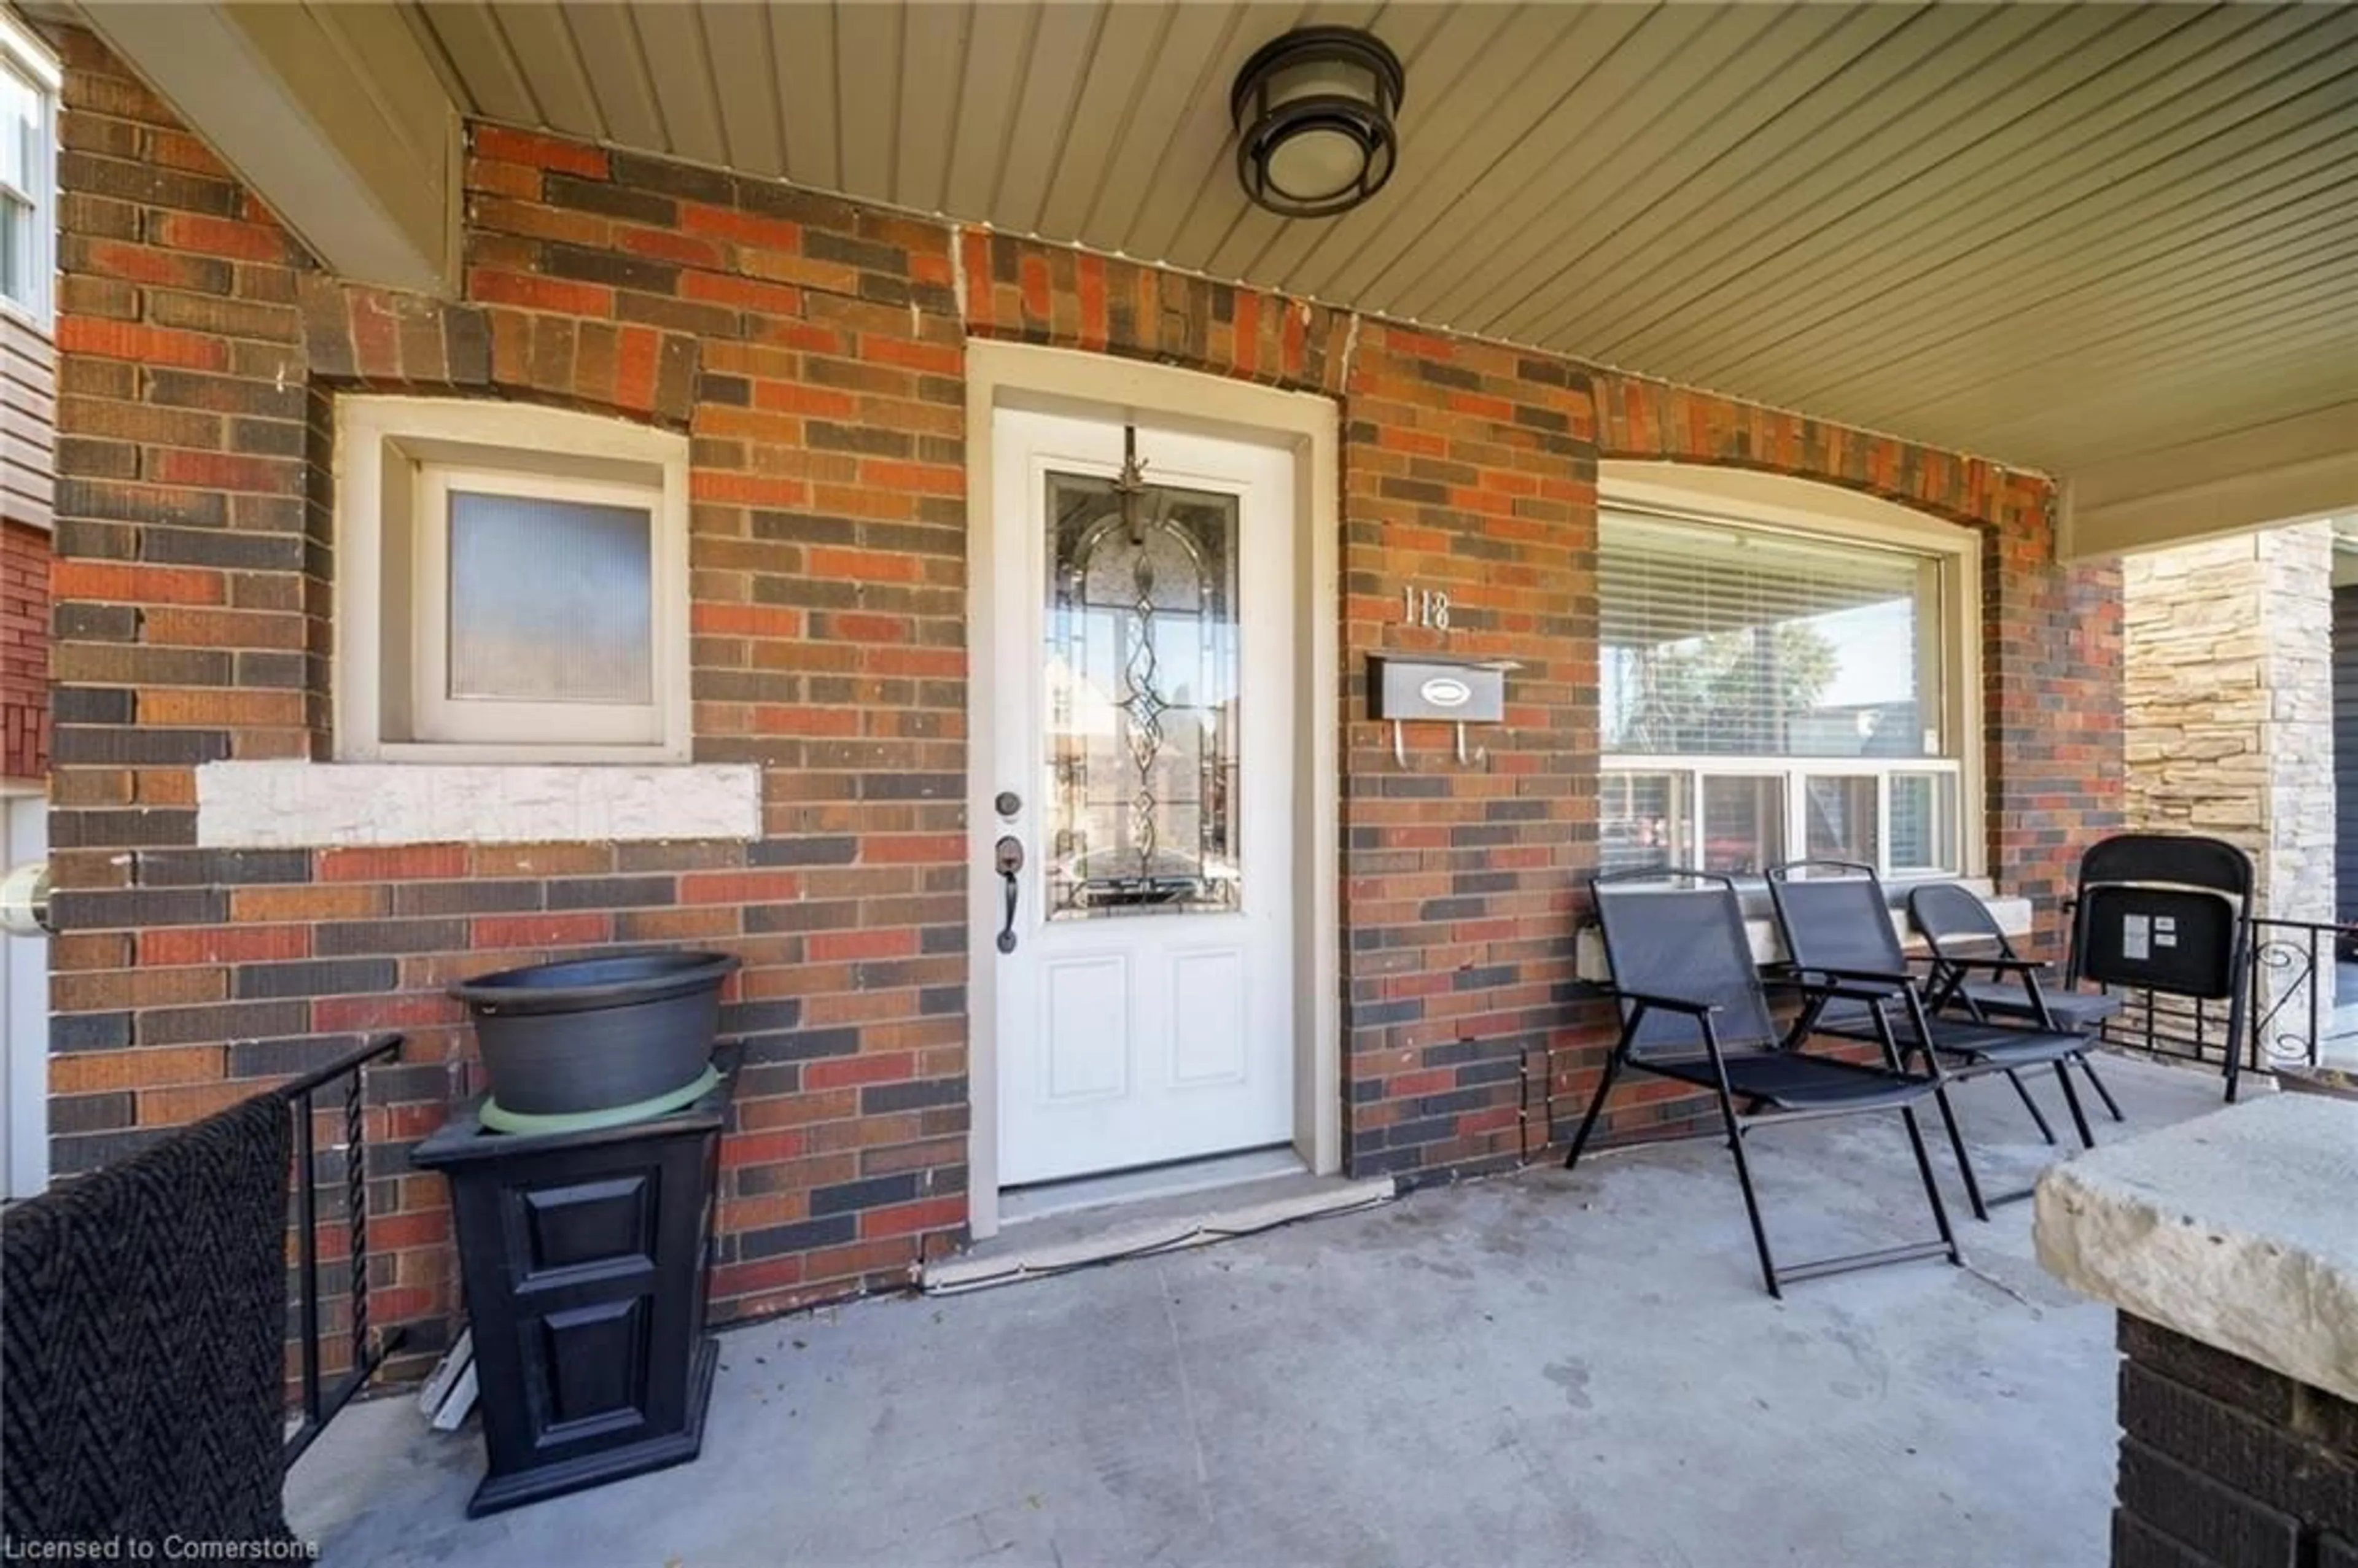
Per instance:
(1008,862)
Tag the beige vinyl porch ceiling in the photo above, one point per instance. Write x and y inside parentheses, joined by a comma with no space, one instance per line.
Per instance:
(2067,237)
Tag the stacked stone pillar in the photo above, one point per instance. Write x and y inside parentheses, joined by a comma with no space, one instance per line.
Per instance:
(2228,718)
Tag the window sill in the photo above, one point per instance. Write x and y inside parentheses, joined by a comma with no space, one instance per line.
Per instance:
(296,804)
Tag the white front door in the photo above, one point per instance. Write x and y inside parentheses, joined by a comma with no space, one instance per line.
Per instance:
(1142,751)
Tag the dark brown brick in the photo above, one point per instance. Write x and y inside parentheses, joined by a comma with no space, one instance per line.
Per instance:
(221,1021)
(324,977)
(612,201)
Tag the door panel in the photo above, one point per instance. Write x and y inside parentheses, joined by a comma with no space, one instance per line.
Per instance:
(1084,1027)
(1207,1036)
(1145,726)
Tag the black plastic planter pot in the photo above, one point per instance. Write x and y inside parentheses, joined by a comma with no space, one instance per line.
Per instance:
(590,1035)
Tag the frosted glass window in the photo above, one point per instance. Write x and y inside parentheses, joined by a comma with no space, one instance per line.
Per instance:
(550,600)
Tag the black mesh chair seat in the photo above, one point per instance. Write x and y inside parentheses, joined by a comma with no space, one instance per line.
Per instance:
(1793,1080)
(2000,1046)
(1694,1009)
(2079,1012)
(1981,1045)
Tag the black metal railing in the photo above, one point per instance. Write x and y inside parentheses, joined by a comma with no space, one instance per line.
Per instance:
(320,1402)
(2290,1020)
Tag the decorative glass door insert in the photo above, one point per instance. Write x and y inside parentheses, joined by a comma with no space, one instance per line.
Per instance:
(1143,673)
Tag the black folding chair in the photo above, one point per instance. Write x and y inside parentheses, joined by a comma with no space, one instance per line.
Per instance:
(1837,927)
(1963,935)
(2168,914)
(1694,1009)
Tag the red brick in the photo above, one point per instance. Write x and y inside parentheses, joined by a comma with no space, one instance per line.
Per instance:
(148,345)
(828,946)
(746,620)
(846,1072)
(237,239)
(225,470)
(533,292)
(359,1014)
(739,887)
(754,490)
(107,582)
(89,1072)
(541,930)
(664,244)
(743,292)
(408,862)
(505,144)
(748,228)
(223,943)
(911,1218)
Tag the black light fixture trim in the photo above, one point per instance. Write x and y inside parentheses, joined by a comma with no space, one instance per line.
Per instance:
(1270,109)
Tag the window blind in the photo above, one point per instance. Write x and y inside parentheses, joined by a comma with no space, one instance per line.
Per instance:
(1722,641)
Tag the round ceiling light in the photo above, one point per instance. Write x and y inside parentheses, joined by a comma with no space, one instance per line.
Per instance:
(1313,113)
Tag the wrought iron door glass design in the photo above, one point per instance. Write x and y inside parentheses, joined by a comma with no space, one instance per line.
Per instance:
(1143,644)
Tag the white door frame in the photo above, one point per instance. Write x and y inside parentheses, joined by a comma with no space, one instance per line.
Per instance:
(1018,375)
(23,1007)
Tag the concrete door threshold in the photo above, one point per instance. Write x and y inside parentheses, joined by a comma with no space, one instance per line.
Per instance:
(1106,1232)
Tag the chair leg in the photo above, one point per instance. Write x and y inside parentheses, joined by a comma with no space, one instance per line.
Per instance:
(1931,1187)
(2031,1105)
(2071,1099)
(1588,1122)
(1751,1200)
(2088,1065)
(1957,1146)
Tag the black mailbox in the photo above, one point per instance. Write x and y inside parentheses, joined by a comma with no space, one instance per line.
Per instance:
(1425,685)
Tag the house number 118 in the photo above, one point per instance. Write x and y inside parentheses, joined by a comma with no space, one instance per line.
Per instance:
(1423,607)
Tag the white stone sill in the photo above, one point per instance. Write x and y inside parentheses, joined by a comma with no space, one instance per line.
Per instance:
(2235,1230)
(2014,917)
(279,805)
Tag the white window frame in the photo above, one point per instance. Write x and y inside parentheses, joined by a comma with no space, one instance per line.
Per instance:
(1742,499)
(22,55)
(395,459)
(1793,775)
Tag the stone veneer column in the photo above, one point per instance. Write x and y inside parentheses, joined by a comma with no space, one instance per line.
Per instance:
(2226,1244)
(2228,700)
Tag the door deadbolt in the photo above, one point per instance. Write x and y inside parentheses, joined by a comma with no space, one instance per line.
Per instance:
(1008,804)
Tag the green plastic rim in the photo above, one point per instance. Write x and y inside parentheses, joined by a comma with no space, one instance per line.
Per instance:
(500,1119)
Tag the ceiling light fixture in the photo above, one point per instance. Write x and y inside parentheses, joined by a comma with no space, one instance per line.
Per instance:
(1313,115)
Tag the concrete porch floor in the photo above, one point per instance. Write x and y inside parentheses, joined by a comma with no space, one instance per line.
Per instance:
(1538,1369)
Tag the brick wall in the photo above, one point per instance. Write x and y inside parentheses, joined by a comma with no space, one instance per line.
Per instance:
(24,652)
(813,351)
(2227,1465)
